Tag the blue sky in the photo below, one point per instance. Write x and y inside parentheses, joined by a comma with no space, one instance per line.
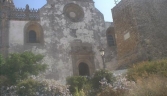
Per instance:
(103,5)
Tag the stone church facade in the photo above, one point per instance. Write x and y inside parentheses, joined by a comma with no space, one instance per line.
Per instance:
(69,33)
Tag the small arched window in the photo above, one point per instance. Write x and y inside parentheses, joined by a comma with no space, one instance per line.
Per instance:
(32,36)
(110,40)
(33,33)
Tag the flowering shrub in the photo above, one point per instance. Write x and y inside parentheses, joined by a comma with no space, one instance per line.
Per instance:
(31,87)
(57,88)
(99,75)
(122,83)
(8,91)
(118,88)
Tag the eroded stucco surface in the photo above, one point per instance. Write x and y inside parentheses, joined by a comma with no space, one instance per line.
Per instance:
(59,33)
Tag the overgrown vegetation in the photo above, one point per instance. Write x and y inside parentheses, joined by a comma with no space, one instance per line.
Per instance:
(99,75)
(30,87)
(143,79)
(17,68)
(154,85)
(108,91)
(76,83)
(150,79)
(145,69)
(89,86)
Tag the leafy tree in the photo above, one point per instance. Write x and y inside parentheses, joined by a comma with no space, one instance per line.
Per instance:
(19,66)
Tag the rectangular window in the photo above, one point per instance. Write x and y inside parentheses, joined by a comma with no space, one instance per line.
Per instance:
(110,40)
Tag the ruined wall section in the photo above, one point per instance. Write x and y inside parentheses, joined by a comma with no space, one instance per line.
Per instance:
(125,32)
(151,22)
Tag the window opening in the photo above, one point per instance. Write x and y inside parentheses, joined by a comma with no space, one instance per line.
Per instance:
(110,40)
(32,36)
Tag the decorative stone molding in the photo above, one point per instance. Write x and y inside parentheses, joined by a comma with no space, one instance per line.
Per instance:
(35,26)
(82,53)
(74,12)
(84,0)
(24,14)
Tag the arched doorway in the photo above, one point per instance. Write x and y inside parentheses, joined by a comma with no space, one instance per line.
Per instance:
(83,69)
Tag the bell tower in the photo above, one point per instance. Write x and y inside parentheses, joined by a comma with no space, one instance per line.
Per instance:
(5,8)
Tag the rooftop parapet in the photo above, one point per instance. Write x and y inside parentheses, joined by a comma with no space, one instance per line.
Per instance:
(24,14)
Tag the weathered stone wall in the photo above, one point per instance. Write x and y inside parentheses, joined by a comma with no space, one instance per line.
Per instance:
(125,31)
(60,35)
(110,51)
(140,30)
(16,35)
(151,23)
(4,37)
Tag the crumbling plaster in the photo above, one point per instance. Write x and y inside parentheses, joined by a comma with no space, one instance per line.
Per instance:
(57,39)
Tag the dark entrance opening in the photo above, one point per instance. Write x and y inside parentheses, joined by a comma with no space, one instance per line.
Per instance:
(83,69)
(32,36)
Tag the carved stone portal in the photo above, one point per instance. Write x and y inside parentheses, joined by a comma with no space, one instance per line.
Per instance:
(82,58)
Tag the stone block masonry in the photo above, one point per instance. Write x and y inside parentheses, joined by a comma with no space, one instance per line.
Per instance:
(140,30)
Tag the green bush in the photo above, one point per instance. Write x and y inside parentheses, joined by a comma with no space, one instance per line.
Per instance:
(76,83)
(112,92)
(91,86)
(30,87)
(3,81)
(2,61)
(145,69)
(99,75)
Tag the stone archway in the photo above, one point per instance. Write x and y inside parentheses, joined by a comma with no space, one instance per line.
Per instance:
(82,58)
(37,31)
(83,69)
